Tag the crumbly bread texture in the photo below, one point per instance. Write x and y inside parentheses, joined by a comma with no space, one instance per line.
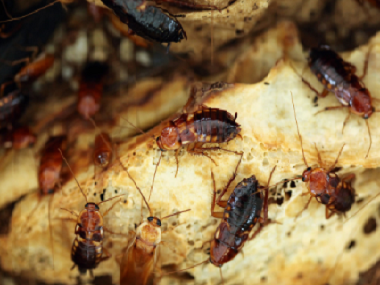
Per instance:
(310,250)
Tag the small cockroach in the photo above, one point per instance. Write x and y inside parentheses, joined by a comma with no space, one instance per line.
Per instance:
(205,125)
(51,164)
(147,21)
(91,88)
(138,263)
(242,211)
(102,150)
(338,77)
(87,250)
(325,185)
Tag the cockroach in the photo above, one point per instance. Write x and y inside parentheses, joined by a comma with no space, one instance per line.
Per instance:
(51,164)
(147,21)
(91,88)
(87,250)
(103,150)
(205,125)
(137,265)
(325,185)
(19,138)
(242,211)
(338,77)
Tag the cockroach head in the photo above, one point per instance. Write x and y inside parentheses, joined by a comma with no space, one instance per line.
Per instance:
(306,174)
(155,221)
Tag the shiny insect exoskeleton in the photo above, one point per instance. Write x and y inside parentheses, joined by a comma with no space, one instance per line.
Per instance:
(147,21)
(138,264)
(51,164)
(91,88)
(102,150)
(87,250)
(325,185)
(206,125)
(242,211)
(338,77)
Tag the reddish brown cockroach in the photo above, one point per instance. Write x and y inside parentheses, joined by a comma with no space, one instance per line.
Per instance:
(137,265)
(51,164)
(102,150)
(206,125)
(325,185)
(91,88)
(87,250)
(338,77)
(242,211)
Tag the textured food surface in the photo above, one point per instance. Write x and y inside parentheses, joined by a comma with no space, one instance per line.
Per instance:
(310,250)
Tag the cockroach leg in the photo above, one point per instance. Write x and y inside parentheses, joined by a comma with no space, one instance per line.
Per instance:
(177,160)
(218,215)
(110,208)
(199,151)
(108,255)
(330,109)
(329,213)
(304,208)
(346,120)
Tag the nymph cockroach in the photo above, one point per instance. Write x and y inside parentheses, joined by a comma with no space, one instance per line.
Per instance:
(87,250)
(205,125)
(138,264)
(242,211)
(91,88)
(338,77)
(325,185)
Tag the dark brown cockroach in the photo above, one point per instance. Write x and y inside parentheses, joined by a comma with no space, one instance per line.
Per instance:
(91,88)
(138,264)
(242,211)
(87,250)
(325,185)
(147,21)
(51,164)
(338,77)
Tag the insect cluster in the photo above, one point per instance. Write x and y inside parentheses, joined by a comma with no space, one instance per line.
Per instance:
(215,134)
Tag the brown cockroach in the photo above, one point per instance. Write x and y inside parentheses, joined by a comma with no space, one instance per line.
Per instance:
(102,150)
(51,164)
(91,88)
(87,250)
(205,125)
(137,265)
(325,185)
(338,77)
(242,211)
